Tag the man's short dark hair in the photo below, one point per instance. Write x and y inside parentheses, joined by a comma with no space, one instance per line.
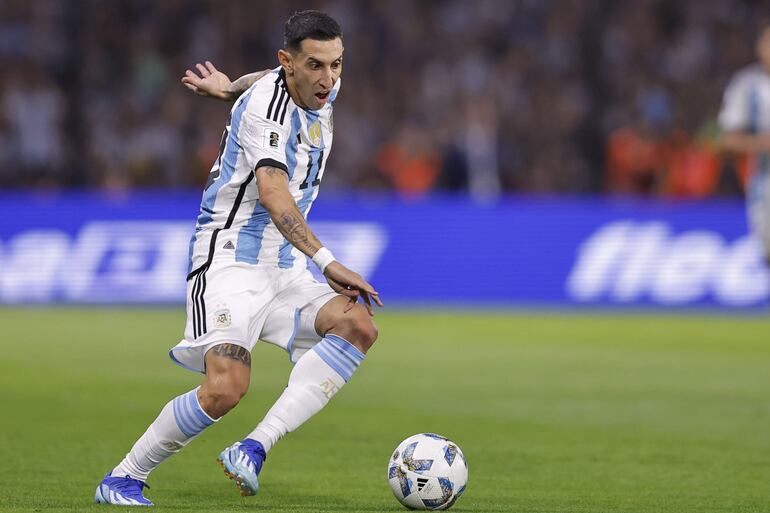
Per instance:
(309,25)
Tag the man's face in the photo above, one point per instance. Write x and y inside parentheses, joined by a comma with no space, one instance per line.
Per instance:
(763,48)
(315,67)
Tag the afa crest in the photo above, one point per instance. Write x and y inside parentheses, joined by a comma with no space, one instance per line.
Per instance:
(222,318)
(314,133)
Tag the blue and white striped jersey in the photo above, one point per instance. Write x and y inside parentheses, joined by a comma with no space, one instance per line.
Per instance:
(746,107)
(266,128)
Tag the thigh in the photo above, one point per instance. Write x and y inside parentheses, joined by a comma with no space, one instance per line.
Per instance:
(290,322)
(225,304)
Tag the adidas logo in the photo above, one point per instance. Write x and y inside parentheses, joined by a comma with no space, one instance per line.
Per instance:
(421,482)
(229,245)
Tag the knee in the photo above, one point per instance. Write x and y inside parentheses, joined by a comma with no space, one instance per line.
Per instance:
(358,329)
(219,397)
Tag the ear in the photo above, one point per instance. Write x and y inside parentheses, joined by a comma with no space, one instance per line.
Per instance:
(287,62)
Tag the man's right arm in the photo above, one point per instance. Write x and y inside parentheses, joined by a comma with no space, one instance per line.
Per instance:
(213,83)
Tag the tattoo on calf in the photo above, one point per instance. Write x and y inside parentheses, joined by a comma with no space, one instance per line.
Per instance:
(233,352)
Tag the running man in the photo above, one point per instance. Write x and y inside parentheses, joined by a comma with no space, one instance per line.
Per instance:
(745,121)
(248,278)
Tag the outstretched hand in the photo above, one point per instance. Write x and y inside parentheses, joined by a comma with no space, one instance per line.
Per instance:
(348,283)
(211,82)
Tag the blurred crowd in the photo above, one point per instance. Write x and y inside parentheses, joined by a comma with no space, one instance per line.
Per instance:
(483,96)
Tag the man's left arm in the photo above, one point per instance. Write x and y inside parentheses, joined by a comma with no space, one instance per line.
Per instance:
(211,82)
(744,142)
(274,196)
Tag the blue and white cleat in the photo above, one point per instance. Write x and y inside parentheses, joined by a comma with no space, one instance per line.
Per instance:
(121,491)
(242,462)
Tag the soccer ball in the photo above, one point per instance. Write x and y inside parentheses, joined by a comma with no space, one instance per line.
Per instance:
(427,471)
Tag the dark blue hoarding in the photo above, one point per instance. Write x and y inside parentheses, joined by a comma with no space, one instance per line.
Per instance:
(560,251)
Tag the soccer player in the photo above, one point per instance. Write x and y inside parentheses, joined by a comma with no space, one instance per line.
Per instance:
(745,121)
(248,276)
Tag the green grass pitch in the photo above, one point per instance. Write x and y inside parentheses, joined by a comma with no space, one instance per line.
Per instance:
(555,413)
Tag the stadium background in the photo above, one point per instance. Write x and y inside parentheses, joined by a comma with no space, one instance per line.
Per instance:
(497,132)
(518,170)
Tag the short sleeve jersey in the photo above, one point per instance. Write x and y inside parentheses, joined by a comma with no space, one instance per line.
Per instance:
(746,107)
(266,128)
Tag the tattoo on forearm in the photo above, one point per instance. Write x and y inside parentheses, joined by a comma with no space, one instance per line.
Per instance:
(289,221)
(244,82)
(233,352)
(296,231)
(239,85)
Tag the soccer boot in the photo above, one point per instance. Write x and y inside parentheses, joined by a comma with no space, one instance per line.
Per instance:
(242,462)
(121,491)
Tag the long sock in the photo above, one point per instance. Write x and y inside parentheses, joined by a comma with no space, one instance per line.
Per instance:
(181,420)
(316,377)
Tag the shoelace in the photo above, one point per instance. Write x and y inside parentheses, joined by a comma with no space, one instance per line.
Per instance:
(129,483)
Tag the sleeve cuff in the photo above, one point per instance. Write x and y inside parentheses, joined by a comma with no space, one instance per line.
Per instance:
(272,163)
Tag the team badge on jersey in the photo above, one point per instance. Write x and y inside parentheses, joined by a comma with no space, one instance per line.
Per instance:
(314,133)
(222,318)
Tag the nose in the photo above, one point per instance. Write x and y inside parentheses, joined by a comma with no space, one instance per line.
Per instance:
(327,79)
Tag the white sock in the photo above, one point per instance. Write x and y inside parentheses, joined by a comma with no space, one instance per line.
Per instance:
(181,420)
(315,378)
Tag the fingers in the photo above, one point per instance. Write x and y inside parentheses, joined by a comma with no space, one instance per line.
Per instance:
(189,86)
(367,303)
(202,70)
(192,87)
(211,67)
(353,286)
(368,290)
(342,289)
(190,79)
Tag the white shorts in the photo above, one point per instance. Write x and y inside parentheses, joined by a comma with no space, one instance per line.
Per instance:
(239,303)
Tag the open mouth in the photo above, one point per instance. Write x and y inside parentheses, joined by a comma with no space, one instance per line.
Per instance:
(323,95)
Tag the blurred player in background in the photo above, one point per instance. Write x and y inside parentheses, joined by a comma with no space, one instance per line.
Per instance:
(248,276)
(745,121)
